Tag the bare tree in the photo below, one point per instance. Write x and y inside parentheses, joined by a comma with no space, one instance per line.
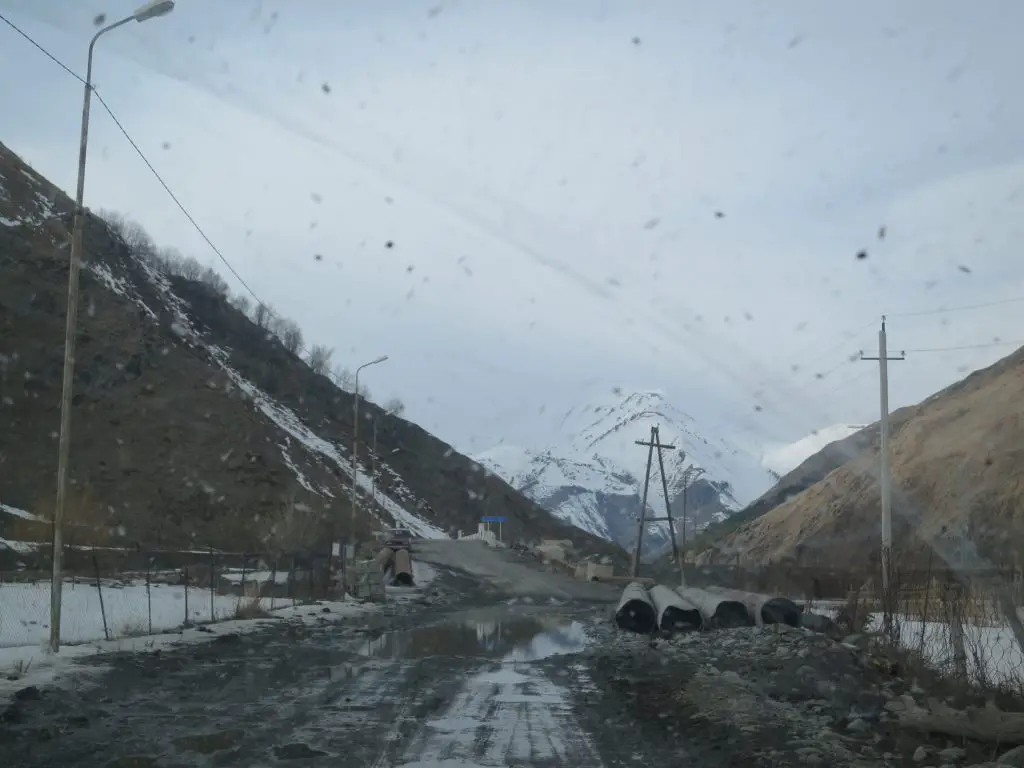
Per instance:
(394,406)
(262,315)
(190,268)
(344,378)
(320,358)
(210,277)
(135,237)
(241,303)
(168,260)
(291,335)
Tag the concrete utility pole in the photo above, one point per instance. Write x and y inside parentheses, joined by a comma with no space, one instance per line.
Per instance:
(373,465)
(355,448)
(150,10)
(690,475)
(655,442)
(884,472)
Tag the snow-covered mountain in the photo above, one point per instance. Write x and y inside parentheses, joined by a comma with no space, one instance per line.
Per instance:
(594,474)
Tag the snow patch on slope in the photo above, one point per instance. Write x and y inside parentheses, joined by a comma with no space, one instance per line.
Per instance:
(282,417)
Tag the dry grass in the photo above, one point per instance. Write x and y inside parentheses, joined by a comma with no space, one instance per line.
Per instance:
(250,608)
(18,669)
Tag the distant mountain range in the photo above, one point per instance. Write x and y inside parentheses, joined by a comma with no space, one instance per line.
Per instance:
(594,476)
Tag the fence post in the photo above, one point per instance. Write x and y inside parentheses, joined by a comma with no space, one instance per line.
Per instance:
(242,595)
(99,591)
(149,594)
(327,575)
(213,573)
(273,584)
(186,596)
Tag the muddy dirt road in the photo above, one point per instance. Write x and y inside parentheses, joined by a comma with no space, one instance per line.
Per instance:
(488,679)
(497,662)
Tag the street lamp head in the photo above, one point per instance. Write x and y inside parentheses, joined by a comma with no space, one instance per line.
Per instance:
(153,9)
(380,359)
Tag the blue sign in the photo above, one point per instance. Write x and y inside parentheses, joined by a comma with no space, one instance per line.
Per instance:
(493,519)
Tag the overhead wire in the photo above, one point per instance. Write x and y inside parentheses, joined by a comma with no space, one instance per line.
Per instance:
(156,174)
(848,336)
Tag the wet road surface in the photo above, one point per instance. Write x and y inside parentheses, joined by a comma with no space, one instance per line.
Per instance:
(486,687)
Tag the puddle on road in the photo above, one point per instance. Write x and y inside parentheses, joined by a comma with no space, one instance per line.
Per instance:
(518,639)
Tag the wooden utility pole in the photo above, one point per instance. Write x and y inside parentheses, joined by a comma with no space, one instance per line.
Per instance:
(884,473)
(651,445)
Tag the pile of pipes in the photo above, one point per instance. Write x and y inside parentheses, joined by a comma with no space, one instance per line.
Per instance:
(395,566)
(685,609)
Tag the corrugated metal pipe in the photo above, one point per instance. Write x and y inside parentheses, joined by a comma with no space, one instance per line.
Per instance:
(718,611)
(764,609)
(674,612)
(402,576)
(635,612)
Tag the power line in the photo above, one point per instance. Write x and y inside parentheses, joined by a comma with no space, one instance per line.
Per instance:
(969,346)
(45,52)
(961,308)
(138,150)
(848,336)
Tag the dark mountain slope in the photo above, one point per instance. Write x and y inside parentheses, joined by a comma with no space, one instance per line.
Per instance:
(192,425)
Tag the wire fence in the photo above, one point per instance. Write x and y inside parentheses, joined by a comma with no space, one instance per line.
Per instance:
(960,624)
(114,593)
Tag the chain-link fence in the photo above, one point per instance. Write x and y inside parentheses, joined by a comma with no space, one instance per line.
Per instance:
(115,593)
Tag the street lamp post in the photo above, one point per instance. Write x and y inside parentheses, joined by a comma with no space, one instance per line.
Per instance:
(145,12)
(355,444)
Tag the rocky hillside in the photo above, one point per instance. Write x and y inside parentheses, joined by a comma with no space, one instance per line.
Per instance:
(958,469)
(193,425)
(593,478)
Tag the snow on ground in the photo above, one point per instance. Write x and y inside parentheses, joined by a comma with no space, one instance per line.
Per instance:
(292,425)
(25,610)
(20,513)
(993,655)
(34,665)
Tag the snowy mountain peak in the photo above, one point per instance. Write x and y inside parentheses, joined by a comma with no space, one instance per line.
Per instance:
(593,473)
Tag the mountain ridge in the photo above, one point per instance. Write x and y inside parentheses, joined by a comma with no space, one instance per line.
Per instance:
(955,460)
(593,475)
(193,423)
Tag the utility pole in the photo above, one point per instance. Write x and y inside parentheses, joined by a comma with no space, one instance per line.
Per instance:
(690,475)
(654,442)
(884,472)
(676,551)
(151,10)
(355,450)
(643,504)
(373,465)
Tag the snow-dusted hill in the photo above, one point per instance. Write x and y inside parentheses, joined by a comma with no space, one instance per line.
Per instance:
(593,477)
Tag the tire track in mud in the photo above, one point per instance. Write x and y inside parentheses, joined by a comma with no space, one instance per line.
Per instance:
(507,714)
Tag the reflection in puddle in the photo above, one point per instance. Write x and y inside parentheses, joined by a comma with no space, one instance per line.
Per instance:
(523,639)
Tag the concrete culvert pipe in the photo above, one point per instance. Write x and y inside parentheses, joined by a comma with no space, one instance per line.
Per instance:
(403,569)
(674,613)
(765,609)
(718,611)
(635,612)
(384,559)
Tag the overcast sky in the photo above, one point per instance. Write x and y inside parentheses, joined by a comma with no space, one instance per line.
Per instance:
(579,195)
